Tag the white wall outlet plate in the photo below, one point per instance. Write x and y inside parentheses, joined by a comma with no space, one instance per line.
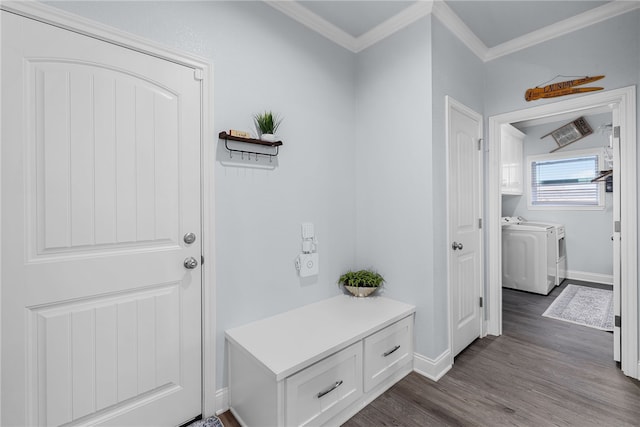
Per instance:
(307,264)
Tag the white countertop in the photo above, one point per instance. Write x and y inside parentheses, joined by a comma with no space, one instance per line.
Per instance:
(290,341)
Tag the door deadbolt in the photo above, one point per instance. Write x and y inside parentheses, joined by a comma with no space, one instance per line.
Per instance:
(190,263)
(189,238)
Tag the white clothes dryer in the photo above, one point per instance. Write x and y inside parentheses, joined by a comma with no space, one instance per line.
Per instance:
(559,252)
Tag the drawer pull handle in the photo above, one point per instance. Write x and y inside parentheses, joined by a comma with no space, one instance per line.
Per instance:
(330,389)
(393,350)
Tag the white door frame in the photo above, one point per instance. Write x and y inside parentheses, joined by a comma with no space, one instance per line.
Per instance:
(452,103)
(623,103)
(203,71)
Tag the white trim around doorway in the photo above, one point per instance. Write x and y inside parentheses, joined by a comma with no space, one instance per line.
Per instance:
(623,103)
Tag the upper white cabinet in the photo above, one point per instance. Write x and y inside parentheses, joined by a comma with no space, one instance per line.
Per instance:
(511,153)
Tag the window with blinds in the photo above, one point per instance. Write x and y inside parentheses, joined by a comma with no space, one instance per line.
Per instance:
(565,182)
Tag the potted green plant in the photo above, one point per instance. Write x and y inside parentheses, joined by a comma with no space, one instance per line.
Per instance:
(362,282)
(267,124)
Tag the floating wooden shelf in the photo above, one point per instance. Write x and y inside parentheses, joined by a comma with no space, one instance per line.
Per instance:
(224,135)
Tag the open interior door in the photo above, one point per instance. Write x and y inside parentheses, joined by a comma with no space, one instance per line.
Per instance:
(615,141)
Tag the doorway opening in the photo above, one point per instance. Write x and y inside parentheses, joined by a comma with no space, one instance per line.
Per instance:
(621,105)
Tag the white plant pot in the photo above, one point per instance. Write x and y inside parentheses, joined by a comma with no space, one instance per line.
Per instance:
(360,292)
(268,137)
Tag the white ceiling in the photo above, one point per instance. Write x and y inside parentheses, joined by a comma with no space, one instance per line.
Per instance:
(488,28)
(356,17)
(496,22)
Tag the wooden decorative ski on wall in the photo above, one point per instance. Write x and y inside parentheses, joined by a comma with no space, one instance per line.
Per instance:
(562,88)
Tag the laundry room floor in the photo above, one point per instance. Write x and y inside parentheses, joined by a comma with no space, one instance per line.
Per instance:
(522,319)
(540,372)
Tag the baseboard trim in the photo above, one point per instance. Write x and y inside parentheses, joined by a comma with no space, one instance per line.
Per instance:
(222,400)
(606,279)
(434,369)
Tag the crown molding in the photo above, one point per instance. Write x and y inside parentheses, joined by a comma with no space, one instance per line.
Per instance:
(585,19)
(397,22)
(450,20)
(299,13)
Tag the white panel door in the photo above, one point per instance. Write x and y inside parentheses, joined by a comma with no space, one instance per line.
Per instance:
(464,195)
(100,182)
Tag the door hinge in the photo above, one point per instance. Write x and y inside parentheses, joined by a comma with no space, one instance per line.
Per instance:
(479,222)
(481,302)
(480,144)
(617,321)
(197,74)
(616,226)
(616,132)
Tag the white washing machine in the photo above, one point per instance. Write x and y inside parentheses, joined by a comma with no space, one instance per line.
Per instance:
(529,261)
(559,252)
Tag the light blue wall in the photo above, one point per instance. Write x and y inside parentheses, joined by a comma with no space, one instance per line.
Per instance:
(588,232)
(394,197)
(458,73)
(364,153)
(611,47)
(401,165)
(265,60)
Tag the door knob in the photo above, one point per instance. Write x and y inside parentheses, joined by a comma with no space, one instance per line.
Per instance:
(456,245)
(190,263)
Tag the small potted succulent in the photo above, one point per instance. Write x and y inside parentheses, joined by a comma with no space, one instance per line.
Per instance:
(362,282)
(267,124)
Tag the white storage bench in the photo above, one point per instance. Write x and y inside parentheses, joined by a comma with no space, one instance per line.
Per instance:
(318,364)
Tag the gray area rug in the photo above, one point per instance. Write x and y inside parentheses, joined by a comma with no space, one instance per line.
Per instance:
(208,422)
(584,306)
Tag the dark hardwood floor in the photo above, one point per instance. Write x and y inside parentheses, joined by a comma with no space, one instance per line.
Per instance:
(540,372)
(228,420)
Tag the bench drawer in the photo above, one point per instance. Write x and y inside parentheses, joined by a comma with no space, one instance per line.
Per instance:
(386,351)
(319,392)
